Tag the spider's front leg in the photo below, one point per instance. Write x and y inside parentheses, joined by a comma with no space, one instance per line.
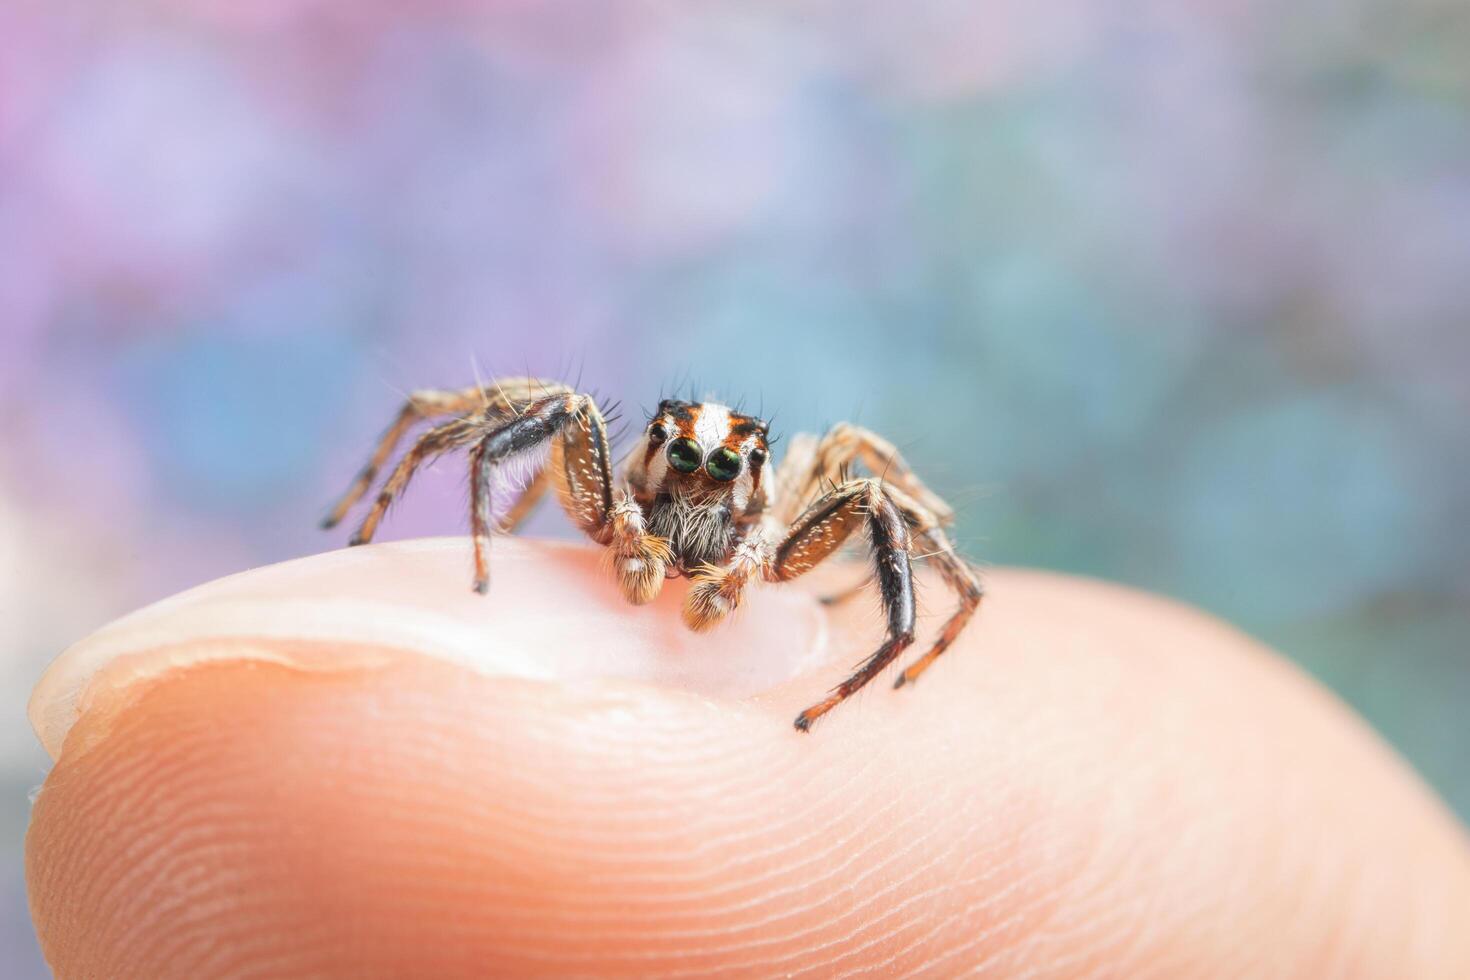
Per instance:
(811,464)
(957,574)
(819,533)
(581,469)
(481,403)
(504,420)
(529,426)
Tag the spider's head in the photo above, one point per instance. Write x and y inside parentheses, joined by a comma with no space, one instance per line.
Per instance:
(703,450)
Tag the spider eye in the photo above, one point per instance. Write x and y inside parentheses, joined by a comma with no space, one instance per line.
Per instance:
(657,434)
(684,455)
(723,464)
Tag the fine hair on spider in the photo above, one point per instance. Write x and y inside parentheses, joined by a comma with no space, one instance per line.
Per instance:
(697,496)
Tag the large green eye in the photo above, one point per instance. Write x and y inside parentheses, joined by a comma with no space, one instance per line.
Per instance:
(684,455)
(723,464)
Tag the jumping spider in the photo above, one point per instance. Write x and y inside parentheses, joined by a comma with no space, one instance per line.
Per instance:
(696,498)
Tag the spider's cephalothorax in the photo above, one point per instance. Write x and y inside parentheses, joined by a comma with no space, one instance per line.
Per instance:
(696,497)
(696,473)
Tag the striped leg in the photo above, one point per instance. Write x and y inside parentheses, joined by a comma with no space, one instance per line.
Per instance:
(419,406)
(956,572)
(488,401)
(529,426)
(966,585)
(581,470)
(436,441)
(819,533)
(811,464)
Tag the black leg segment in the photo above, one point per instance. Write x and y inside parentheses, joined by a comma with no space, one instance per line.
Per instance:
(820,533)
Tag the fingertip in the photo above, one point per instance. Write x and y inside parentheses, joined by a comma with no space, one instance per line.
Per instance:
(551,612)
(1082,755)
(236,818)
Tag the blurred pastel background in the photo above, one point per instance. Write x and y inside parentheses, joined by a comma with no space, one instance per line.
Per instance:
(1172,293)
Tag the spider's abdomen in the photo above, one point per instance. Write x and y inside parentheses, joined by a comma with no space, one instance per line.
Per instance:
(698,533)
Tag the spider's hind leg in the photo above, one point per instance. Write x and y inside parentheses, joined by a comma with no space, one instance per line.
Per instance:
(419,406)
(810,463)
(961,578)
(436,441)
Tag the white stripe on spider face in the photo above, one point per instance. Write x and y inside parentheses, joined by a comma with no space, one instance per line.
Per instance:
(711,426)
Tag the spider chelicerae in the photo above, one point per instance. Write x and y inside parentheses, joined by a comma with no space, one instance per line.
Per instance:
(697,496)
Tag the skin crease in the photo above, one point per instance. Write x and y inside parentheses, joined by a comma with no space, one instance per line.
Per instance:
(1092,782)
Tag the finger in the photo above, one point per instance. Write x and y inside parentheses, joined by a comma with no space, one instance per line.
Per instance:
(552,614)
(1091,781)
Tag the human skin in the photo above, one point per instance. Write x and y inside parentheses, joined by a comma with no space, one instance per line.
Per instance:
(389,776)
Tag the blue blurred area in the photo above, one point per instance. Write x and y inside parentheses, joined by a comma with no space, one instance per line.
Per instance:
(1171,294)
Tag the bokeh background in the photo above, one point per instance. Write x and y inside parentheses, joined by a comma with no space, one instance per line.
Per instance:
(1171,293)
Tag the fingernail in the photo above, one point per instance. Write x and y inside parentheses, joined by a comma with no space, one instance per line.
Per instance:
(553,613)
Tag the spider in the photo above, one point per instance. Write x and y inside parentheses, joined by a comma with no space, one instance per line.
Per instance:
(697,497)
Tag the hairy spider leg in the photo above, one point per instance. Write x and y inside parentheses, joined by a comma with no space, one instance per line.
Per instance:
(956,572)
(580,468)
(500,403)
(419,406)
(516,415)
(820,532)
(438,440)
(489,399)
(535,490)
(963,580)
(810,465)
(531,425)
